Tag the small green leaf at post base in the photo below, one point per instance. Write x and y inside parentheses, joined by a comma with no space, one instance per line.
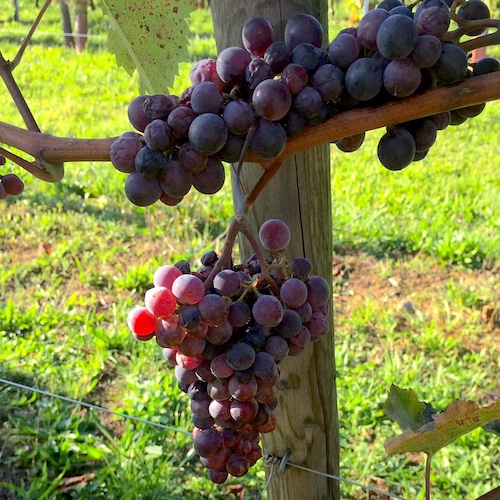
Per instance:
(150,36)
(459,418)
(403,407)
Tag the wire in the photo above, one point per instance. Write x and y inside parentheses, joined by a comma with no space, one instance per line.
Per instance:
(94,407)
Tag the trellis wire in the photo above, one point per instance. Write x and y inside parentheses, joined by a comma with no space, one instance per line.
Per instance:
(269,459)
(50,33)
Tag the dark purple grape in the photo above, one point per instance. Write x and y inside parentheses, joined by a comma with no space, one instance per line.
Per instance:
(208,442)
(303,28)
(293,123)
(157,136)
(456,118)
(369,26)
(212,178)
(238,117)
(231,151)
(169,333)
(220,334)
(388,5)
(12,184)
(203,423)
(207,134)
(244,411)
(191,160)
(294,76)
(472,10)
(293,292)
(278,55)
(206,98)
(175,180)
(343,50)
(351,144)
(239,314)
(198,390)
(149,163)
(271,100)
(401,9)
(396,149)
(267,310)
(424,133)
(472,111)
(257,71)
(142,191)
(227,283)
(213,309)
(231,65)
(301,267)
(364,78)
(264,366)
(255,336)
(329,81)
(218,476)
(136,114)
(257,34)
(486,65)
(158,107)
(268,140)
(240,356)
(185,376)
(305,55)
(318,291)
(290,324)
(397,37)
(318,326)
(427,51)
(451,66)
(402,78)
(124,150)
(189,317)
(180,119)
(242,391)
(441,120)
(433,21)
(308,103)
(427,4)
(277,347)
(184,268)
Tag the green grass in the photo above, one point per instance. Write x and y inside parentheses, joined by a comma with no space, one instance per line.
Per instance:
(76,256)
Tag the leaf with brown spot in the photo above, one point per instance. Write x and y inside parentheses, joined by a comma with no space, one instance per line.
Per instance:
(458,419)
(150,36)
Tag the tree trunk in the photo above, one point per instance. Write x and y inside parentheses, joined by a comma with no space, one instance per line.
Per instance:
(300,194)
(81,25)
(66,25)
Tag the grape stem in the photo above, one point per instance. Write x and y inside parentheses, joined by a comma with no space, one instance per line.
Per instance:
(238,225)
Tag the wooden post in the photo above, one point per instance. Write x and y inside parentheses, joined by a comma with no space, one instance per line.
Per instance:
(301,196)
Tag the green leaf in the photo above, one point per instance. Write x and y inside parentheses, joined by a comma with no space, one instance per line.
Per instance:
(458,419)
(150,36)
(403,407)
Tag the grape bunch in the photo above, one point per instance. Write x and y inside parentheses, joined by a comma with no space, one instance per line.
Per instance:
(254,97)
(225,331)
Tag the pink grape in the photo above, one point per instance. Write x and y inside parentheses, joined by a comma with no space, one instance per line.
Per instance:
(160,301)
(274,235)
(188,289)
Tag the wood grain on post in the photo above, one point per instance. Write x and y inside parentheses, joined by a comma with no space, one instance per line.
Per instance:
(300,194)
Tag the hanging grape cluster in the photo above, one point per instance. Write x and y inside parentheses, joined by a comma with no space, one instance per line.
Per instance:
(254,98)
(225,331)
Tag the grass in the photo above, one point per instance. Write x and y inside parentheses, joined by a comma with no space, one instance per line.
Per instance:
(76,256)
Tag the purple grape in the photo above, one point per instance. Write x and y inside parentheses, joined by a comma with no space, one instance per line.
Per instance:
(433,21)
(318,291)
(218,389)
(301,267)
(397,37)
(268,140)
(169,333)
(293,292)
(277,347)
(427,51)
(208,442)
(278,55)
(401,9)
(293,123)
(158,107)
(241,391)
(267,310)
(329,81)
(274,235)
(190,318)
(238,117)
(486,65)
(209,258)
(352,143)
(441,120)
(318,326)
(219,410)
(199,407)
(213,309)
(185,376)
(257,71)
(396,149)
(227,282)
(239,314)
(175,180)
(206,98)
(188,289)
(240,356)
(451,66)
(294,76)
(232,149)
(304,311)
(141,191)
(211,178)
(257,35)
(149,163)
(180,119)
(136,114)
(231,65)
(290,325)
(402,78)
(473,10)
(206,71)
(244,411)
(343,50)
(203,423)
(302,338)
(303,28)
(305,55)
(218,476)
(308,102)
(369,26)
(271,100)
(388,5)
(424,133)
(157,135)
(124,150)
(364,77)
(191,346)
(207,134)
(191,160)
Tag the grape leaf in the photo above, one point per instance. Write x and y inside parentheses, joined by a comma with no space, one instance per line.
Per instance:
(403,407)
(458,419)
(150,36)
